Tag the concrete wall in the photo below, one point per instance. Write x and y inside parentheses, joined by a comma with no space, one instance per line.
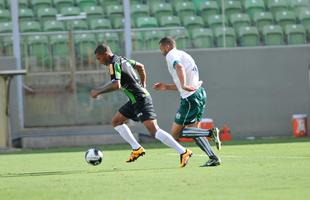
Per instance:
(253,90)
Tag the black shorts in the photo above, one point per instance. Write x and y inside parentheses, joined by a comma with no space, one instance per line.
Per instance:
(142,110)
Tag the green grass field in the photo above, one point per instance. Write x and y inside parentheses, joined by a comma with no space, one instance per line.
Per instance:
(269,169)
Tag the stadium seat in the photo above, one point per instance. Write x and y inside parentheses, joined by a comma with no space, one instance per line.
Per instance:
(147,22)
(208,8)
(137,41)
(295,34)
(83,4)
(59,4)
(152,38)
(161,9)
(85,45)
(284,18)
(105,3)
(5,27)
(273,35)
(192,22)
(29,26)
(139,10)
(239,20)
(93,12)
(37,4)
(100,23)
(39,54)
(277,6)
(111,39)
(262,19)
(70,11)
(215,21)
(304,17)
(181,37)
(5,15)
(167,21)
(230,37)
(2,4)
(202,38)
(254,6)
(248,36)
(115,11)
(232,7)
(45,14)
(185,8)
(25,14)
(21,4)
(60,51)
(53,25)
(77,25)
(298,5)
(118,22)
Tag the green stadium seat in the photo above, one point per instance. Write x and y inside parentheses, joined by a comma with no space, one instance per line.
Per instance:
(45,14)
(284,18)
(254,6)
(232,7)
(37,4)
(137,41)
(262,19)
(93,12)
(215,21)
(5,27)
(277,6)
(60,51)
(230,37)
(25,14)
(70,11)
(21,4)
(77,25)
(304,17)
(30,26)
(296,34)
(59,4)
(192,22)
(185,8)
(118,22)
(167,21)
(202,38)
(106,3)
(208,8)
(273,35)
(5,15)
(115,11)
(85,45)
(152,38)
(298,5)
(249,36)
(182,38)
(53,25)
(83,4)
(239,20)
(39,54)
(2,4)
(161,9)
(136,2)
(147,22)
(111,39)
(101,23)
(139,10)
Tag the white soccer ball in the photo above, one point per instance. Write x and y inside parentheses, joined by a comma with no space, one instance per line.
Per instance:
(93,156)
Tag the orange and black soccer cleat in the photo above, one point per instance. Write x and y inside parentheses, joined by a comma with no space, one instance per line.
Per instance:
(135,154)
(185,157)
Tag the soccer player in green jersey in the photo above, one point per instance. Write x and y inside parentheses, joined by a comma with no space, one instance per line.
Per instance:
(184,72)
(139,107)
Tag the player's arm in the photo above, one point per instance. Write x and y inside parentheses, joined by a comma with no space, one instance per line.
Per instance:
(182,77)
(105,88)
(141,71)
(164,86)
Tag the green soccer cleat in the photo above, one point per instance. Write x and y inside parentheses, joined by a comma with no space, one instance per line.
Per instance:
(215,135)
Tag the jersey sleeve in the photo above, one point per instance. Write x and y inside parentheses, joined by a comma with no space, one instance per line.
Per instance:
(132,63)
(115,71)
(173,59)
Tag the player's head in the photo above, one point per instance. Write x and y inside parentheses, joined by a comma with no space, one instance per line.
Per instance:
(103,54)
(166,44)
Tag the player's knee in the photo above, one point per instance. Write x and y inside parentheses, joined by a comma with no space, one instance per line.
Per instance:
(116,122)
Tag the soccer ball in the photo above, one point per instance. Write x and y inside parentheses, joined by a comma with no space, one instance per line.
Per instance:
(93,156)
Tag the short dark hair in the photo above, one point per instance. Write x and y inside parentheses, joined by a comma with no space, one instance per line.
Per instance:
(167,41)
(102,48)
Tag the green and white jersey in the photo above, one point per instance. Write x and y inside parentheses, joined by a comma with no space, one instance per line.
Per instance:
(176,56)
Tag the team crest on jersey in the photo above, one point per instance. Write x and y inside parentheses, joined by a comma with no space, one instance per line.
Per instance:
(178,116)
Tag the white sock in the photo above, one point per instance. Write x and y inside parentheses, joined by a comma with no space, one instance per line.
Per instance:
(168,140)
(126,134)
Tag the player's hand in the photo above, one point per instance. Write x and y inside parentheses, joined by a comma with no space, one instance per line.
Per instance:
(94,94)
(160,86)
(188,88)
